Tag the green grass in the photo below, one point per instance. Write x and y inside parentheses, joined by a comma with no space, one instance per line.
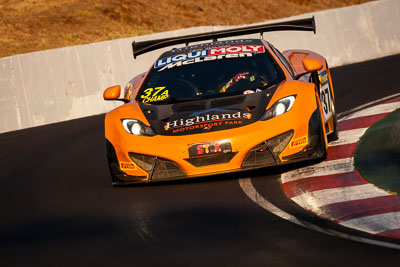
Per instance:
(377,156)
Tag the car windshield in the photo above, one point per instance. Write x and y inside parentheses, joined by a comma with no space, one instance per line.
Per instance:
(199,75)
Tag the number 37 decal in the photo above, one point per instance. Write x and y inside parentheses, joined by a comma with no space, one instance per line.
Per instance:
(325,97)
(154,94)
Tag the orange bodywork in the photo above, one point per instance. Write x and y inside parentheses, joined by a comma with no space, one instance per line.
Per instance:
(112,93)
(242,139)
(295,57)
(175,148)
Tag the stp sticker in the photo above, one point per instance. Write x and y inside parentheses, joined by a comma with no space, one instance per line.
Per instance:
(302,141)
(127,166)
(210,148)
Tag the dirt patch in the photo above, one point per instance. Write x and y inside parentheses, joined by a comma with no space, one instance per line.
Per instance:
(32,25)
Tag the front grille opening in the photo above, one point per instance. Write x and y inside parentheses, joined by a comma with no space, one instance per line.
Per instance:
(166,169)
(211,159)
(279,143)
(157,168)
(143,161)
(258,156)
(267,153)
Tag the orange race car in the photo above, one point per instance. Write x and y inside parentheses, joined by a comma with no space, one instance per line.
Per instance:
(221,106)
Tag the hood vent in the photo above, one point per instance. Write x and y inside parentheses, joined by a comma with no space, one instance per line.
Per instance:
(226,101)
(188,107)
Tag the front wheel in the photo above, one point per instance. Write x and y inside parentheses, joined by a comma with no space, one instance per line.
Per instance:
(333,136)
(322,149)
(322,141)
(112,162)
(316,134)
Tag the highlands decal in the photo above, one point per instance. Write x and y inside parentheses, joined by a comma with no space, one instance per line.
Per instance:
(192,56)
(208,121)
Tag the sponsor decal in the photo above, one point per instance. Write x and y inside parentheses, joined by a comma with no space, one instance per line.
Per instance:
(206,55)
(208,58)
(210,148)
(299,142)
(127,166)
(325,95)
(154,94)
(207,121)
(215,45)
(323,76)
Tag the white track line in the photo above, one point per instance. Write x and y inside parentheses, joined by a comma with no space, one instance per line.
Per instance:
(368,104)
(321,169)
(319,198)
(252,193)
(379,109)
(348,137)
(314,200)
(373,224)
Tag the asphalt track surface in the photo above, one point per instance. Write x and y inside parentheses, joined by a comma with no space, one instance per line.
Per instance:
(58,207)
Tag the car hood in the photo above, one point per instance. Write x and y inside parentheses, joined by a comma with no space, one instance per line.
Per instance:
(207,115)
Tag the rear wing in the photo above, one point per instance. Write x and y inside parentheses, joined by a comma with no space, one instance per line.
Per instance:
(143,47)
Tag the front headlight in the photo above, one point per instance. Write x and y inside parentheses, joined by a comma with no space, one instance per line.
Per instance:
(281,106)
(137,127)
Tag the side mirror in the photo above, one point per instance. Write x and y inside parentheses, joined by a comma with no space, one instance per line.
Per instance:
(311,65)
(112,93)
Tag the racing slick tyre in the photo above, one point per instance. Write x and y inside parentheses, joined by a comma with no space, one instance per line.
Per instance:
(323,138)
(335,134)
(317,133)
(112,162)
